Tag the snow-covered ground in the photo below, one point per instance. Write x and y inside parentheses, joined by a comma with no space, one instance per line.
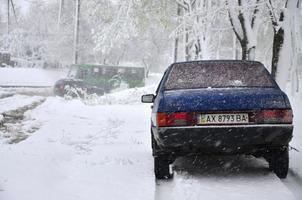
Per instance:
(92,152)
(30,77)
(17,101)
(4,94)
(296,157)
(100,149)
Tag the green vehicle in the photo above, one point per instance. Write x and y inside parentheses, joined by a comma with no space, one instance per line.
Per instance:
(100,79)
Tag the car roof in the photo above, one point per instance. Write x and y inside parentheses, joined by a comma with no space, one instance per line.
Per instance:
(244,62)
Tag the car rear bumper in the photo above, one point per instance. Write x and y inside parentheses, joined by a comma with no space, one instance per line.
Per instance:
(223,139)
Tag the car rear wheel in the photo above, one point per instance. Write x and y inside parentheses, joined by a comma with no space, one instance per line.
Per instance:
(162,168)
(279,162)
(156,151)
(153,145)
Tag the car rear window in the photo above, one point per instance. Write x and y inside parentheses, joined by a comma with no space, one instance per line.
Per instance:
(217,75)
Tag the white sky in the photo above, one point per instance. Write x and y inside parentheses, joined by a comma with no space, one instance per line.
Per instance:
(24,4)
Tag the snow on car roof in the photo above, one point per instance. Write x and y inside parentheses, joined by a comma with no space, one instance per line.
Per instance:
(217,74)
(219,62)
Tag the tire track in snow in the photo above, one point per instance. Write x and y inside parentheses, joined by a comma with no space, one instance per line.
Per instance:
(11,122)
(6,95)
(222,177)
(294,183)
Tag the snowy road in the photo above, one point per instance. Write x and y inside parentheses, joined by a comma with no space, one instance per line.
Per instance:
(15,102)
(103,152)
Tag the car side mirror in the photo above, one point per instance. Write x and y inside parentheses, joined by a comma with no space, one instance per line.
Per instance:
(148,98)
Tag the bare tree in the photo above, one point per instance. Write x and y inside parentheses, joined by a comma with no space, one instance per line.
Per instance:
(285,21)
(200,25)
(76,31)
(176,42)
(244,18)
(61,8)
(277,18)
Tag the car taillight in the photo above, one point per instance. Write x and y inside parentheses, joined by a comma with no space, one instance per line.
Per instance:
(175,119)
(274,116)
(62,87)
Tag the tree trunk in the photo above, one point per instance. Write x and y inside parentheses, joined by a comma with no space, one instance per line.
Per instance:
(8,16)
(188,56)
(176,43)
(197,49)
(248,30)
(76,32)
(60,13)
(235,56)
(277,45)
(244,49)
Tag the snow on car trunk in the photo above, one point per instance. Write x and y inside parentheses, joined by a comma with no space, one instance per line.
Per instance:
(223,99)
(104,152)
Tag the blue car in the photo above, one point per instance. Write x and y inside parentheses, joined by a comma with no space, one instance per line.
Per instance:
(219,107)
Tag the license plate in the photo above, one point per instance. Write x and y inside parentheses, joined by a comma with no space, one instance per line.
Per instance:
(236,118)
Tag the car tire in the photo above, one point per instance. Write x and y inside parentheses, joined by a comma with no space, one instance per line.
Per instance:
(162,167)
(153,145)
(267,156)
(157,151)
(271,165)
(279,162)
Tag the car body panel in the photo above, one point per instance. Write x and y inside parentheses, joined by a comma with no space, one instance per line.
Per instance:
(226,139)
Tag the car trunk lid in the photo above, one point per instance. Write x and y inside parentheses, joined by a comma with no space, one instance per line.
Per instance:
(227,99)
